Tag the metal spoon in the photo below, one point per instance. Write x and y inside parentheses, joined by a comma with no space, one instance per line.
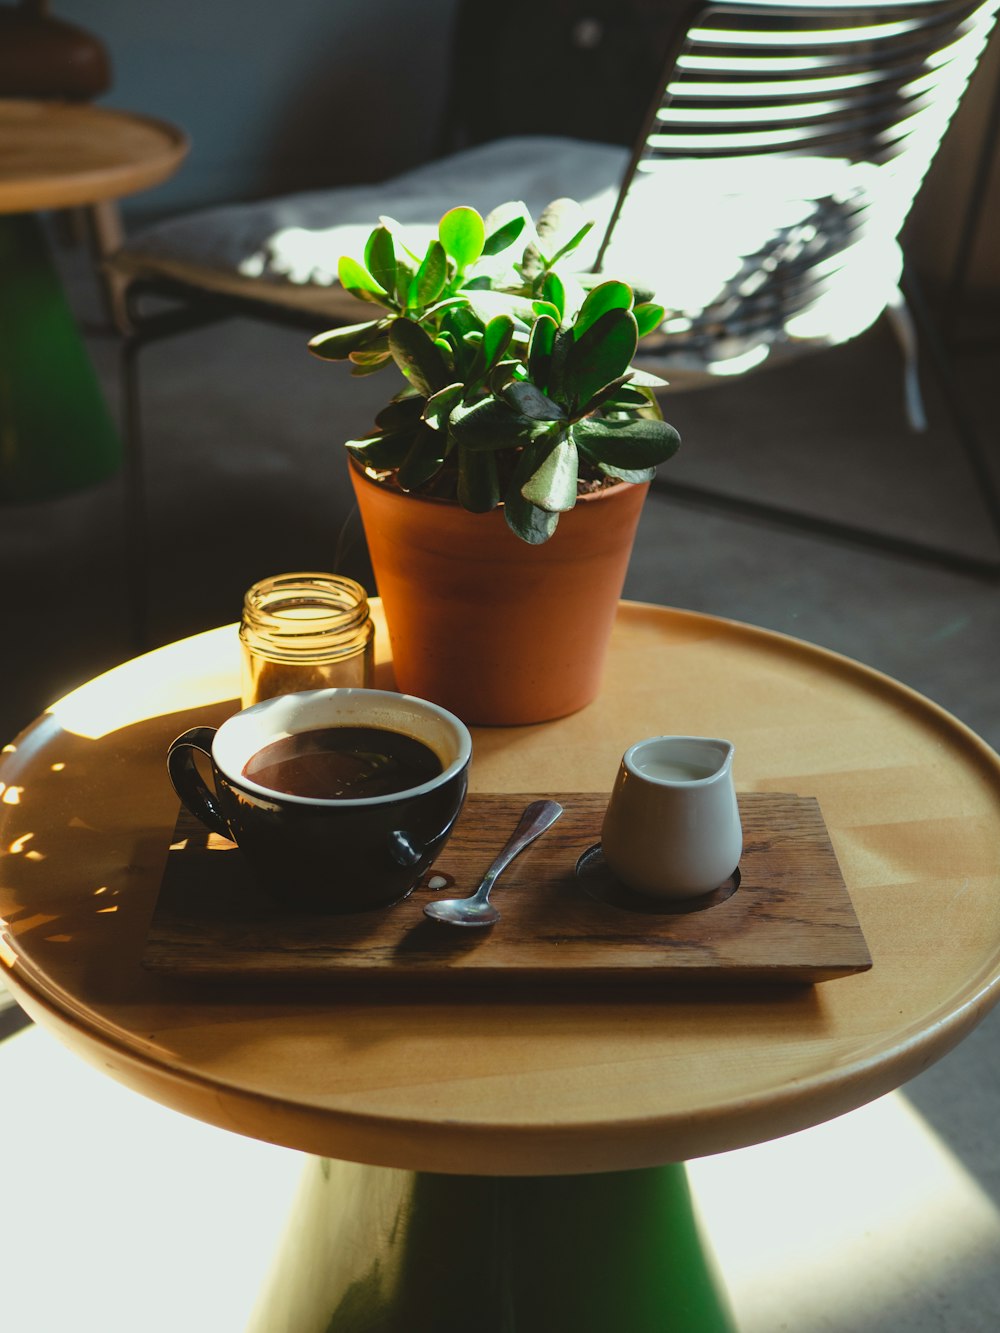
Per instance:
(477,910)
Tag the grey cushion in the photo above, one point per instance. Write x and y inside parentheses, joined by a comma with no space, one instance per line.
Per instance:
(286,249)
(714,239)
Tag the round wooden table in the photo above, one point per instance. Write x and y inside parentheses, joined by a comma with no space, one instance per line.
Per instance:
(537,1120)
(61,155)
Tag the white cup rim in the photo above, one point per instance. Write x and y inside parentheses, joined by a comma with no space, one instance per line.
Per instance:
(248,731)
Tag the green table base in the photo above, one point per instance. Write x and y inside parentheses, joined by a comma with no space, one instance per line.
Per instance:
(373,1250)
(56,433)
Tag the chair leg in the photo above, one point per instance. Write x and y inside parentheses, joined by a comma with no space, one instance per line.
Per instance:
(901,320)
(105,236)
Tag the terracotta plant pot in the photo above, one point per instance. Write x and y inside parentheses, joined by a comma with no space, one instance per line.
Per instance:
(491,628)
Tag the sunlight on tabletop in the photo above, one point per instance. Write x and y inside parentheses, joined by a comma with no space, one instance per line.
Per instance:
(155,684)
(858,1222)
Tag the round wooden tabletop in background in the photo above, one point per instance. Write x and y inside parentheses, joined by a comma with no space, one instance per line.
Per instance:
(523,1081)
(69,154)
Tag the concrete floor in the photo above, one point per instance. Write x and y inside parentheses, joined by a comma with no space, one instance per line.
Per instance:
(885,1220)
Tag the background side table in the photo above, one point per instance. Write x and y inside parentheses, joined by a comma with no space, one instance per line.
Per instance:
(57,433)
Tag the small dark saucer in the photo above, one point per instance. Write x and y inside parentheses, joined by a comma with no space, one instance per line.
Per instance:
(600,884)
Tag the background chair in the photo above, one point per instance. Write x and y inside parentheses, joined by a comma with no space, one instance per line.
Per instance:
(762,197)
(801,135)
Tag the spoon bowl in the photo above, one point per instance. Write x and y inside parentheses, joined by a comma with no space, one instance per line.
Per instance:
(462,912)
(477,910)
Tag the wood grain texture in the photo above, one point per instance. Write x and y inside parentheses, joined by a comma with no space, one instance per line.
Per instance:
(790,920)
(65,154)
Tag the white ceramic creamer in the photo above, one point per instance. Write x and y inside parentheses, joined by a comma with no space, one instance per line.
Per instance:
(672,827)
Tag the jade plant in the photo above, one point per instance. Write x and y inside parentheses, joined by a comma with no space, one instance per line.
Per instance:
(518,384)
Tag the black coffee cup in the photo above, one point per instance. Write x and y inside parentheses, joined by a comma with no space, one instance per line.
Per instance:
(345,853)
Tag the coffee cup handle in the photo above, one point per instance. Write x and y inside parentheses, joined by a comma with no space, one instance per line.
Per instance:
(187,781)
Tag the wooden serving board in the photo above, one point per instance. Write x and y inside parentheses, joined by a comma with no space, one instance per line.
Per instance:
(789,920)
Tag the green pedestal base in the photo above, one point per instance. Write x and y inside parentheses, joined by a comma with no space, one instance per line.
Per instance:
(371,1250)
(56,433)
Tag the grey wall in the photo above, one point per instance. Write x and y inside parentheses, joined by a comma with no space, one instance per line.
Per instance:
(276,95)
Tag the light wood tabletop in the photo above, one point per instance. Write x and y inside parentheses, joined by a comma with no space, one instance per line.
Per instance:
(70,154)
(515,1079)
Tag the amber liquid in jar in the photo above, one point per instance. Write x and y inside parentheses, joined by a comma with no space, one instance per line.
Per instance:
(305,631)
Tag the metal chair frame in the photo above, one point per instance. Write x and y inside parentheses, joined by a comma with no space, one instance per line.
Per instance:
(875,81)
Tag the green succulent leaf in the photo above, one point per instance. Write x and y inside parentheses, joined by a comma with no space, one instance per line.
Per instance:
(430,278)
(486,305)
(490,425)
(478,484)
(460,320)
(496,340)
(602,354)
(649,316)
(626,398)
(533,525)
(433,311)
(374,357)
(554,294)
(423,459)
(463,235)
(561,346)
(640,443)
(546,308)
(553,485)
(405,275)
(647,380)
(636,475)
(417,357)
(359,368)
(540,344)
(380,258)
(439,406)
(526,520)
(605,395)
(401,414)
(356,279)
(555,221)
(337,344)
(531,402)
(608,296)
(504,237)
(571,244)
(381,451)
(502,374)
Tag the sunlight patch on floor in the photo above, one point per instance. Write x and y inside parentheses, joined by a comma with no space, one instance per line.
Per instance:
(118,1214)
(866,1217)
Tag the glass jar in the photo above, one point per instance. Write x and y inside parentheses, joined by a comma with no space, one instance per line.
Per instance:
(304,632)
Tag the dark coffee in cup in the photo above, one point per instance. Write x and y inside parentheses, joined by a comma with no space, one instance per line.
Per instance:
(338,799)
(343,762)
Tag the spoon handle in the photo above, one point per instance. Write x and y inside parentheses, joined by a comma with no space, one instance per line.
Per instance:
(537,817)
